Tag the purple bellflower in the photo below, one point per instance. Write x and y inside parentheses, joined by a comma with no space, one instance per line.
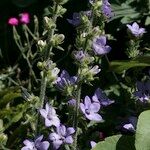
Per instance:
(50,116)
(136,30)
(79,55)
(62,135)
(90,110)
(106,9)
(143,91)
(100,97)
(99,45)
(72,102)
(129,127)
(93,144)
(65,80)
(36,145)
(76,20)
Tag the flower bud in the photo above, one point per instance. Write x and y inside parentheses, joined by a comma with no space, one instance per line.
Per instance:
(3,139)
(49,23)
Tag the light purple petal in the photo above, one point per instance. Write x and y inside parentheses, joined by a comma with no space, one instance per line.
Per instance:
(48,123)
(70,131)
(82,107)
(95,107)
(28,143)
(135,26)
(65,74)
(87,102)
(129,127)
(57,144)
(55,121)
(44,145)
(101,40)
(25,148)
(43,112)
(93,144)
(54,136)
(69,140)
(95,99)
(47,107)
(94,117)
(39,139)
(61,130)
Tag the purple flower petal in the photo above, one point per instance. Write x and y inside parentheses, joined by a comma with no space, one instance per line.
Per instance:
(93,144)
(48,123)
(69,140)
(94,117)
(87,102)
(70,130)
(43,112)
(39,139)
(82,107)
(95,107)
(44,145)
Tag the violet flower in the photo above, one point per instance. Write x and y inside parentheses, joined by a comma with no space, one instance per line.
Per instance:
(72,102)
(62,135)
(36,145)
(79,55)
(76,20)
(25,18)
(131,124)
(129,127)
(100,97)
(50,116)
(13,21)
(106,9)
(93,144)
(65,80)
(136,30)
(143,91)
(90,110)
(99,45)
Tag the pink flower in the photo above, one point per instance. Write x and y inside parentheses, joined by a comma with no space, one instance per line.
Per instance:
(13,21)
(24,18)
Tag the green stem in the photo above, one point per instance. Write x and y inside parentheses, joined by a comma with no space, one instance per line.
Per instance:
(46,57)
(75,147)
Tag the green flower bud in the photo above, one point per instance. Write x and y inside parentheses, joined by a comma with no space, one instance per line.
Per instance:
(49,23)
(61,2)
(57,39)
(3,139)
(60,10)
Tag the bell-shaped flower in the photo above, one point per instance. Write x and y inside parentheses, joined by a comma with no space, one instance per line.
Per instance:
(65,80)
(38,144)
(90,109)
(136,30)
(50,116)
(143,91)
(100,97)
(93,144)
(99,45)
(62,135)
(76,20)
(106,9)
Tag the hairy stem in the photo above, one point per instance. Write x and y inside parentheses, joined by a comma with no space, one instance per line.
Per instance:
(75,147)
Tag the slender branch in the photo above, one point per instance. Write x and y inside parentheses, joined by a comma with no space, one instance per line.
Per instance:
(75,147)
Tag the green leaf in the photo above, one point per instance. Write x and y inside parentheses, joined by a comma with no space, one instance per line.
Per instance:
(116,142)
(142,138)
(120,66)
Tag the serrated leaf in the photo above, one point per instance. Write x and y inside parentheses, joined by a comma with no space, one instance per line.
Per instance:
(142,138)
(116,142)
(120,66)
